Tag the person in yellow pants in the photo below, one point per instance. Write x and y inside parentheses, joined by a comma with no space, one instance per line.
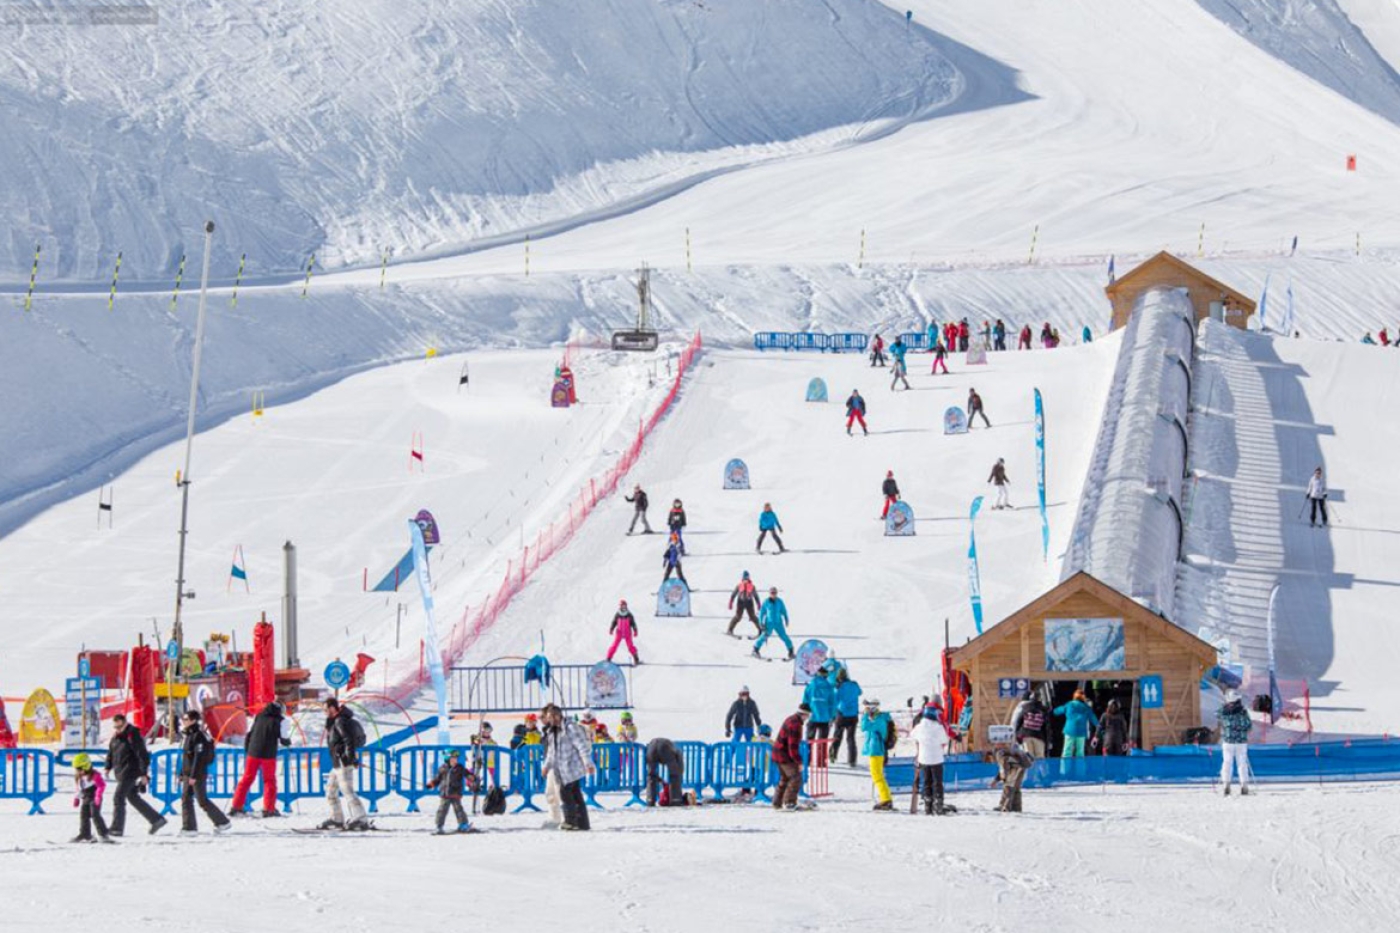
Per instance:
(875,727)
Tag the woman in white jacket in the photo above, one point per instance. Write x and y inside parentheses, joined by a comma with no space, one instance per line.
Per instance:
(931,739)
(1317,496)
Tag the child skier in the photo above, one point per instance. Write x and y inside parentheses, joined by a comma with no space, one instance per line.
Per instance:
(452,781)
(890,490)
(627,731)
(675,520)
(623,628)
(768,524)
(855,411)
(898,374)
(746,596)
(998,479)
(90,788)
(940,358)
(774,616)
(671,560)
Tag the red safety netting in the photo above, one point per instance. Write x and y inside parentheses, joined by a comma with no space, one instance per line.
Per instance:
(548,542)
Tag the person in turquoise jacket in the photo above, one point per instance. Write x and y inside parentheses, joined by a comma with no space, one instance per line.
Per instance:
(1079,720)
(821,696)
(848,694)
(875,728)
(768,524)
(773,617)
(898,349)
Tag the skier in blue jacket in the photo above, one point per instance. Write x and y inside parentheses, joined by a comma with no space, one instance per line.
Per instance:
(848,694)
(671,560)
(774,617)
(821,696)
(1079,720)
(768,524)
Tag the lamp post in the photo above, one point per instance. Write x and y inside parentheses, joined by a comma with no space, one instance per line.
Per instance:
(183,479)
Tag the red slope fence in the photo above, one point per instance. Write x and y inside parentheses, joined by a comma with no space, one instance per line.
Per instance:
(548,541)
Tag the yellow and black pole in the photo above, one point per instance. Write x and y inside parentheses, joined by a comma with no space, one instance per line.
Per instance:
(179,276)
(116,271)
(238,280)
(306,284)
(34,274)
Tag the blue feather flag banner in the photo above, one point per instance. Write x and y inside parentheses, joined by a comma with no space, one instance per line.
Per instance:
(974,577)
(1040,476)
(433,657)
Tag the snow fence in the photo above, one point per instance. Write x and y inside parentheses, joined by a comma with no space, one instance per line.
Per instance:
(1129,529)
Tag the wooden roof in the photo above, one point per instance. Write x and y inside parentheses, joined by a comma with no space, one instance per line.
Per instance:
(1185,268)
(1082,582)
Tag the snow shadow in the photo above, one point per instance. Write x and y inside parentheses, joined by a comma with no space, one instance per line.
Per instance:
(1254,445)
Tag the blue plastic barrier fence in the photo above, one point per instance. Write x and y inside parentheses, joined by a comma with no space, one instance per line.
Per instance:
(525,777)
(808,341)
(301,775)
(698,772)
(27,775)
(847,343)
(916,341)
(619,767)
(414,767)
(63,758)
(740,765)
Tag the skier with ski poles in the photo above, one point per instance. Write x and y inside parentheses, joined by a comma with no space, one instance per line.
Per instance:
(855,411)
(1316,496)
(768,524)
(774,616)
(998,479)
(746,595)
(890,490)
(639,498)
(623,628)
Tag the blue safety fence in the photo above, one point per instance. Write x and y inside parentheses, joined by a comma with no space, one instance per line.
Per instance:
(526,777)
(742,765)
(619,767)
(1353,760)
(64,757)
(414,767)
(916,341)
(301,775)
(836,343)
(27,775)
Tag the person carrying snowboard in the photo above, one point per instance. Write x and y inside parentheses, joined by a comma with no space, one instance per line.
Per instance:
(875,727)
(898,350)
(452,781)
(890,490)
(88,799)
(639,500)
(855,411)
(129,764)
(940,358)
(675,520)
(196,755)
(344,738)
(877,351)
(999,480)
(974,408)
(623,628)
(671,560)
(744,599)
(768,524)
(930,741)
(1317,497)
(774,617)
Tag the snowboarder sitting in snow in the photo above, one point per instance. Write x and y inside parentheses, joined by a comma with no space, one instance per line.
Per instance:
(890,490)
(639,498)
(768,524)
(746,595)
(855,411)
(675,520)
(88,799)
(974,408)
(452,781)
(998,479)
(624,627)
(671,560)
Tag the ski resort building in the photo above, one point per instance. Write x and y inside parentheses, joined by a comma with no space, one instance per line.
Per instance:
(1085,631)
(1209,297)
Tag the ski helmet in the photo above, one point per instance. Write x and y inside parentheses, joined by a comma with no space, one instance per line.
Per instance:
(626,717)
(82,762)
(765,729)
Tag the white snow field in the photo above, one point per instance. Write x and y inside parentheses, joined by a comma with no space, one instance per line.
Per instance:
(1287,860)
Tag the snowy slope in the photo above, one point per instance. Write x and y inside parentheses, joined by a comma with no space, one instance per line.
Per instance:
(408,126)
(1267,412)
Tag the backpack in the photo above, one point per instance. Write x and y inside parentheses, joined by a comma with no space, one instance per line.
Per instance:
(207,752)
(354,734)
(495,802)
(891,735)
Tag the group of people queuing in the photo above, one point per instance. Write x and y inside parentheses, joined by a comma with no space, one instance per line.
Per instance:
(959,337)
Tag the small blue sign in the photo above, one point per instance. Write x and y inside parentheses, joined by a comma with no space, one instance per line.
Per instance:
(337,674)
(75,686)
(1012,688)
(84,668)
(172,650)
(1152,694)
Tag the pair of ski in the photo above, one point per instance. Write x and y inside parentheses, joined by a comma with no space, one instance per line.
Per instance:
(914,797)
